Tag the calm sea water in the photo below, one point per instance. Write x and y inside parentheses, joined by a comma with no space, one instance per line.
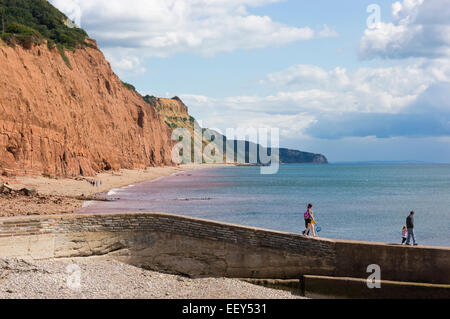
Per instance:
(359,202)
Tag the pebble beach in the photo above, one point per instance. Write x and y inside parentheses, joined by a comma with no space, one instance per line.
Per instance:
(101,278)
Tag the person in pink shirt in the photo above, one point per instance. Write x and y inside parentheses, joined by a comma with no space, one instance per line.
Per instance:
(404,234)
(309,217)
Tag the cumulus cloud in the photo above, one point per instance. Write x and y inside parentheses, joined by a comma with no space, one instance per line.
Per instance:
(428,116)
(408,100)
(126,65)
(166,27)
(419,29)
(304,100)
(221,114)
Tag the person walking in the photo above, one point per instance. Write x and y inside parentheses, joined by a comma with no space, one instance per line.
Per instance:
(309,217)
(404,234)
(410,228)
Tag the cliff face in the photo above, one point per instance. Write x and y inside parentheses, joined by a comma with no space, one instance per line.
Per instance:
(174,111)
(67,121)
(175,114)
(288,156)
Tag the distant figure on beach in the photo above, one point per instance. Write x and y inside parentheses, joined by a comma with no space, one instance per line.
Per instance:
(410,227)
(404,234)
(309,221)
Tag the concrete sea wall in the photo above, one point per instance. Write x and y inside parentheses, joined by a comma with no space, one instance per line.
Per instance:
(194,247)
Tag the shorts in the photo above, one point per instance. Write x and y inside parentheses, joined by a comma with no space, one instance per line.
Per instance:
(307,222)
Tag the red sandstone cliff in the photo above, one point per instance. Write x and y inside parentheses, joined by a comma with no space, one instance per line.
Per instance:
(61,121)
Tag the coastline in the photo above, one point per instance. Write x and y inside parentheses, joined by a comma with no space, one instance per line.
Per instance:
(66,195)
(49,274)
(26,279)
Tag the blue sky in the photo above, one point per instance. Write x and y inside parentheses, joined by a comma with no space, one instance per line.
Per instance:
(315,69)
(235,73)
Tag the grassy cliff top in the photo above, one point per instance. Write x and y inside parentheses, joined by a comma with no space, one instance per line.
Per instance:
(31,21)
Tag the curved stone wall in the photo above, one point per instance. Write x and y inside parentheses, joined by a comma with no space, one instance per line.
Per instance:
(195,247)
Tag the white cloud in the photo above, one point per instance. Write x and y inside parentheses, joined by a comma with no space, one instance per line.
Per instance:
(309,100)
(366,89)
(327,32)
(304,100)
(126,65)
(419,29)
(233,113)
(166,27)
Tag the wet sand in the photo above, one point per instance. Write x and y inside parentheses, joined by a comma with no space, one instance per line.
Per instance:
(66,195)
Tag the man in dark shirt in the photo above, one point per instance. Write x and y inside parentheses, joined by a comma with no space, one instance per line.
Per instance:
(410,227)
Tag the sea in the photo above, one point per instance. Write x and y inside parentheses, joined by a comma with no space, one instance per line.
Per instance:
(368,202)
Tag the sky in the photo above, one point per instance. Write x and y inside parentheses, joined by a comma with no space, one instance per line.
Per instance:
(354,80)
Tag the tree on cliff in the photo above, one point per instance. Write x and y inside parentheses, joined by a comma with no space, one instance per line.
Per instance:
(2,13)
(38,19)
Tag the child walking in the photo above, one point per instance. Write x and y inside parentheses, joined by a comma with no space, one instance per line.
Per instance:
(404,234)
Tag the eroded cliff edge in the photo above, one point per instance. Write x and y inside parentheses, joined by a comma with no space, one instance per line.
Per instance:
(176,115)
(77,120)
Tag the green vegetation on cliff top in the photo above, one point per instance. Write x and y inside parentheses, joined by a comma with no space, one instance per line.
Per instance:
(151,100)
(26,22)
(129,86)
